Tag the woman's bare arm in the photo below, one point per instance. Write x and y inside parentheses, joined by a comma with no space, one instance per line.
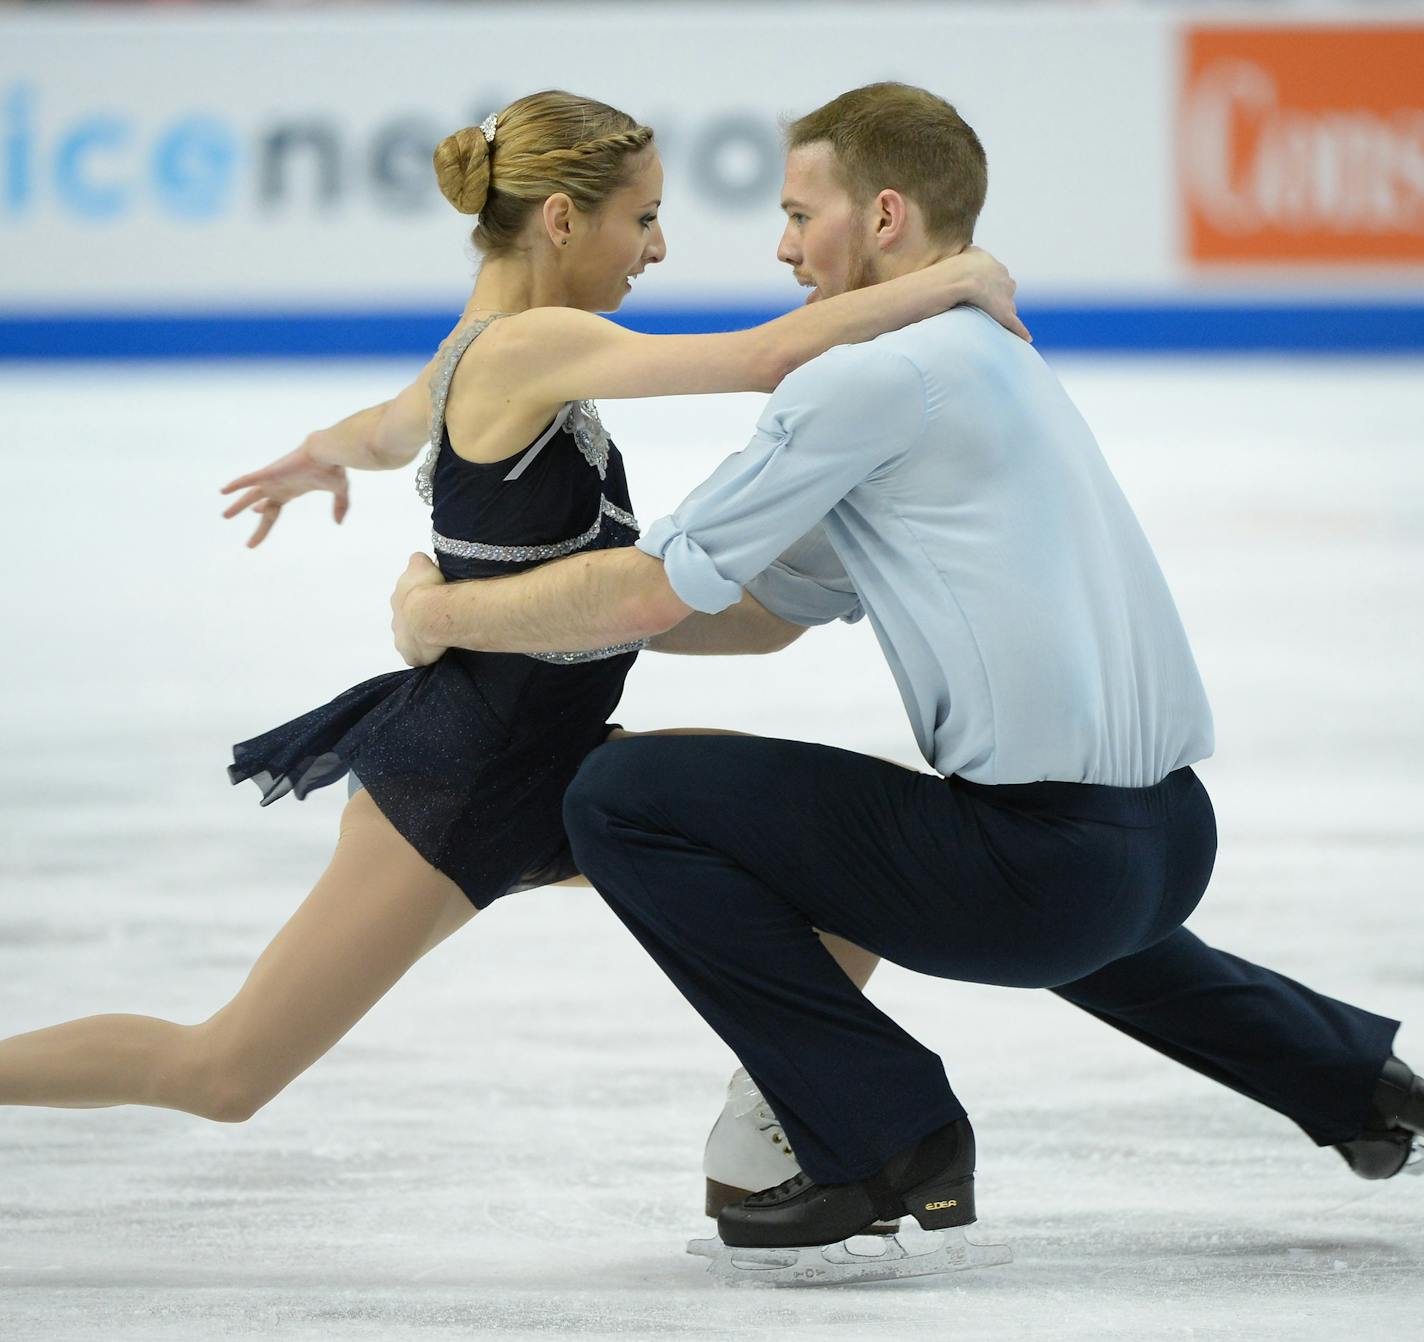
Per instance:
(382,437)
(564,354)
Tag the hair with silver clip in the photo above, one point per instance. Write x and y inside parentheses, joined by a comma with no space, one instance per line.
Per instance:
(549,142)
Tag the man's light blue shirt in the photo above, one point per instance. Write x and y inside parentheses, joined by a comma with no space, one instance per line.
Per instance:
(939,480)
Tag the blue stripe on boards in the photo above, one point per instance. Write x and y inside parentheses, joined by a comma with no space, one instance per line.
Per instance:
(1179,328)
(1285,328)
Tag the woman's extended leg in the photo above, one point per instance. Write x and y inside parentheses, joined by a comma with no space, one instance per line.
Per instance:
(377,909)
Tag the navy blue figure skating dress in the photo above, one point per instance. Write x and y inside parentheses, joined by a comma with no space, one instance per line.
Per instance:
(469,758)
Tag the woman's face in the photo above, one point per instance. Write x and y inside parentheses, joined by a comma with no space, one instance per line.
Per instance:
(618,240)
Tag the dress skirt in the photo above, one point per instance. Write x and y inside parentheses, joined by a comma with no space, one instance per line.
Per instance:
(468,758)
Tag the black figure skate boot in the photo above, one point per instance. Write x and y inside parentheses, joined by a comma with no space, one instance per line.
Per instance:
(1389,1141)
(933,1181)
(805,1233)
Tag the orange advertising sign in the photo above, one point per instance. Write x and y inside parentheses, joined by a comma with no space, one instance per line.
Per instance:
(1303,145)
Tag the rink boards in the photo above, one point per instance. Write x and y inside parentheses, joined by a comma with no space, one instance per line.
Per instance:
(258,183)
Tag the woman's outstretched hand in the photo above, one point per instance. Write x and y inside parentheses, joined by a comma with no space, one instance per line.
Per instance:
(273,486)
(991,287)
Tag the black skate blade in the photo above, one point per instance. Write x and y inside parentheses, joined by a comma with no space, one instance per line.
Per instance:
(862,1258)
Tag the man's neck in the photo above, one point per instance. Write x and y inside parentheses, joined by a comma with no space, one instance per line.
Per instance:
(907,260)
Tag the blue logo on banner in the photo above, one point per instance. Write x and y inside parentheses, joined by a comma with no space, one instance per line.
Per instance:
(99,169)
(104,164)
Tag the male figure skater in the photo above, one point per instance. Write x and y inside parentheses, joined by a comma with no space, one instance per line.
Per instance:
(938,480)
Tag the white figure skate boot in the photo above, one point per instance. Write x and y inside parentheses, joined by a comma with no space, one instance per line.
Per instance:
(747,1148)
(747,1151)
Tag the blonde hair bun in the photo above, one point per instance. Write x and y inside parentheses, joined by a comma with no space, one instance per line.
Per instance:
(548,143)
(462,167)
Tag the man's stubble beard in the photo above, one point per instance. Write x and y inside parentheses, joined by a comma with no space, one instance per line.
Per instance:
(860,267)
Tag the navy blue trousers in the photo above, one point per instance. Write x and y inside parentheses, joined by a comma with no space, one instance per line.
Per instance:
(724,854)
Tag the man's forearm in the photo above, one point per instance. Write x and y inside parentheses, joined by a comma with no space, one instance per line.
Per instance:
(577,604)
(744,629)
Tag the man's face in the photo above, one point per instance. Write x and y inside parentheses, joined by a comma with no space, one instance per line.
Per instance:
(826,242)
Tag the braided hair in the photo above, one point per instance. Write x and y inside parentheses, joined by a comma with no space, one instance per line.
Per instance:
(545,143)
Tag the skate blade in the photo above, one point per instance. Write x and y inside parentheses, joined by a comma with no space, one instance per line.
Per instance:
(1415,1163)
(860,1259)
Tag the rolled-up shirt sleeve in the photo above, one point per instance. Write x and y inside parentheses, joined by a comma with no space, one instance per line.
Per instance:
(807,584)
(830,425)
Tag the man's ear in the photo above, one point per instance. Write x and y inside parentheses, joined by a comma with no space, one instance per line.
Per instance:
(558,216)
(890,218)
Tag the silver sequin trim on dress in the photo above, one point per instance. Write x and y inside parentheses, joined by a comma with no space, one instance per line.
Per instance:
(439,394)
(521,554)
(593,655)
(590,435)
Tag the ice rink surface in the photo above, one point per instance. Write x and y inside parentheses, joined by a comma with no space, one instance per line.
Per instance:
(509,1145)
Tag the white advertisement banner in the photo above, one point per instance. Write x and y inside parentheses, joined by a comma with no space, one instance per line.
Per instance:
(221,159)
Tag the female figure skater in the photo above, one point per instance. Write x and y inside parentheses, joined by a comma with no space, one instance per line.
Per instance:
(463,764)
